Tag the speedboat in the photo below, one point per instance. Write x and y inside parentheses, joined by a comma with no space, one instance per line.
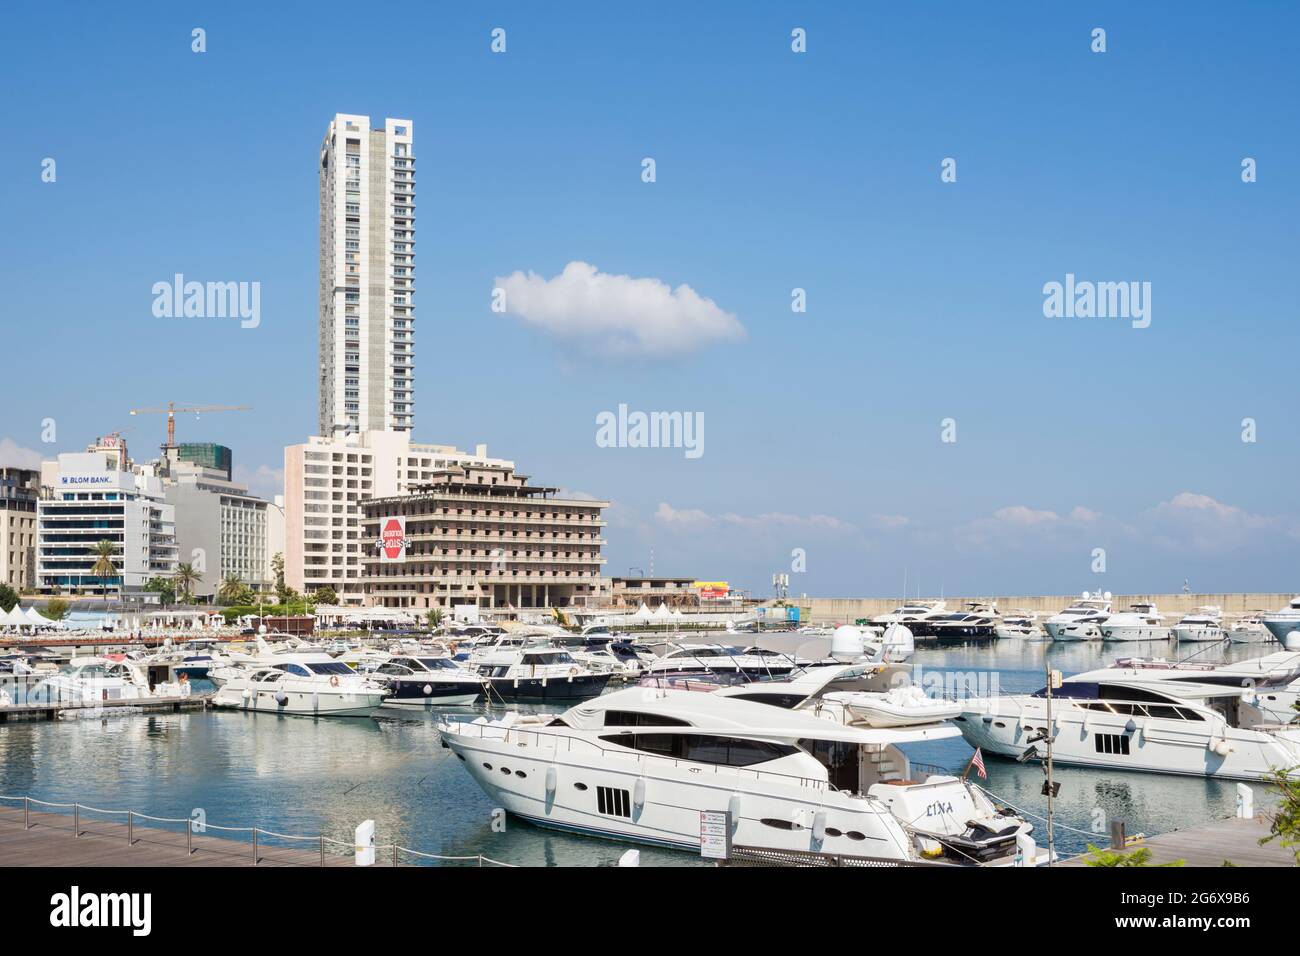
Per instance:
(1141,622)
(1200,626)
(1142,717)
(899,707)
(1283,623)
(537,674)
(426,682)
(1249,630)
(1089,609)
(1017,624)
(312,685)
(643,764)
(95,680)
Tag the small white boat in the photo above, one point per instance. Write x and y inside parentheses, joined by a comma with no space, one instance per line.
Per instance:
(1201,626)
(94,680)
(1249,630)
(900,707)
(1141,622)
(312,685)
(1017,624)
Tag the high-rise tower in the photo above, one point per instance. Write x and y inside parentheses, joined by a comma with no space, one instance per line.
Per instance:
(367,277)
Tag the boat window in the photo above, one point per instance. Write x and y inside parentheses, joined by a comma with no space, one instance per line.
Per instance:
(330,667)
(704,748)
(1120,692)
(839,757)
(438,663)
(628,718)
(296,669)
(551,657)
(397,669)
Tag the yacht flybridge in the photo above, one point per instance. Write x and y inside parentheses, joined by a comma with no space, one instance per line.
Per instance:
(642,764)
(1089,609)
(1200,720)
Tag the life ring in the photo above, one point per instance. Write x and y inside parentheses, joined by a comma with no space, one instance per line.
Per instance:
(573,671)
(334,681)
(184,678)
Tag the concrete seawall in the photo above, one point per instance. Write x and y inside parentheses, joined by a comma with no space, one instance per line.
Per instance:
(847,610)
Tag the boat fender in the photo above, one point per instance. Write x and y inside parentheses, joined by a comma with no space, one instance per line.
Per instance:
(819,826)
(246,694)
(552,780)
(516,684)
(733,811)
(543,681)
(428,689)
(638,794)
(1131,726)
(1221,748)
(282,698)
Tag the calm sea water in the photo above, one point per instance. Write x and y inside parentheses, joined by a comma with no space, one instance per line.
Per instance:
(307,776)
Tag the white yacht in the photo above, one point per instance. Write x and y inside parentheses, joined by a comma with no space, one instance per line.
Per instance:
(94,680)
(641,765)
(1249,629)
(719,658)
(312,684)
(1200,626)
(1285,622)
(1140,716)
(1017,624)
(1274,679)
(194,658)
(426,682)
(536,674)
(912,613)
(1089,609)
(1141,622)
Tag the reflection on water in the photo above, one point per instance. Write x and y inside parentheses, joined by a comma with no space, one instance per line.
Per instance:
(305,776)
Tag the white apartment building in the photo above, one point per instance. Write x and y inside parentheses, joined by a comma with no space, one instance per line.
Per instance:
(325,481)
(221,529)
(95,498)
(367,277)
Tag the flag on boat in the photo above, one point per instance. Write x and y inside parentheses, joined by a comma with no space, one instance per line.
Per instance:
(977,762)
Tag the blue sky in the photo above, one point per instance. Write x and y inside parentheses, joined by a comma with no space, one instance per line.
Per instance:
(775,170)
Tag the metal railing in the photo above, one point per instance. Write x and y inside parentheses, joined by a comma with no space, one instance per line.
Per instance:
(392,850)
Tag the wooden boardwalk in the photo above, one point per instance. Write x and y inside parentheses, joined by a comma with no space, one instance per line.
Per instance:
(146,705)
(51,841)
(1210,844)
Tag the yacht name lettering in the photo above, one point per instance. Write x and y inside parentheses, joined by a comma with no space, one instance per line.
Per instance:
(938,809)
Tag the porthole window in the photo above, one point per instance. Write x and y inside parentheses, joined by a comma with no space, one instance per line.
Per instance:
(831,831)
(855,835)
(778,824)
(998,723)
(520,773)
(506,771)
(488,765)
(579,786)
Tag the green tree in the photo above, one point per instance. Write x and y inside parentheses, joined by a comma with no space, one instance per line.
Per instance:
(434,617)
(186,577)
(164,588)
(1142,857)
(232,588)
(277,569)
(8,598)
(325,595)
(56,610)
(104,568)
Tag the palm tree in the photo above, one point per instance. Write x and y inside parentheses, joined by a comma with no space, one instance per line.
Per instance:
(231,589)
(104,568)
(186,577)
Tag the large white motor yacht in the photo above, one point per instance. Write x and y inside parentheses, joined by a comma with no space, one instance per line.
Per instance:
(1200,626)
(427,682)
(914,612)
(719,658)
(538,674)
(1139,715)
(1018,624)
(313,685)
(1141,622)
(92,680)
(1285,622)
(1070,624)
(642,764)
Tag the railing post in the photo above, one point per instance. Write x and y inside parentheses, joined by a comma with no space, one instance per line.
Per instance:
(254,846)
(27,813)
(322,849)
(394,854)
(76,819)
(130,827)
(189,836)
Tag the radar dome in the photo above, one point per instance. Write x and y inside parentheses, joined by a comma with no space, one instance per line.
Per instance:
(847,643)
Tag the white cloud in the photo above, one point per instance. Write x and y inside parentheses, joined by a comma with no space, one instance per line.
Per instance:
(263,480)
(618,315)
(891,522)
(1199,522)
(13,455)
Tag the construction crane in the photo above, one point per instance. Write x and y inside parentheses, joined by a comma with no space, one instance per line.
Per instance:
(171,411)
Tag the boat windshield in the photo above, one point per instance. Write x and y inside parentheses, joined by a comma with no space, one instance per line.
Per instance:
(438,663)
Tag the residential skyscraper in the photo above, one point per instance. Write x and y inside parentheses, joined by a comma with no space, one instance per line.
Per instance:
(367,277)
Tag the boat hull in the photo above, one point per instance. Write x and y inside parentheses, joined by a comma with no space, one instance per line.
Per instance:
(512,689)
(299,704)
